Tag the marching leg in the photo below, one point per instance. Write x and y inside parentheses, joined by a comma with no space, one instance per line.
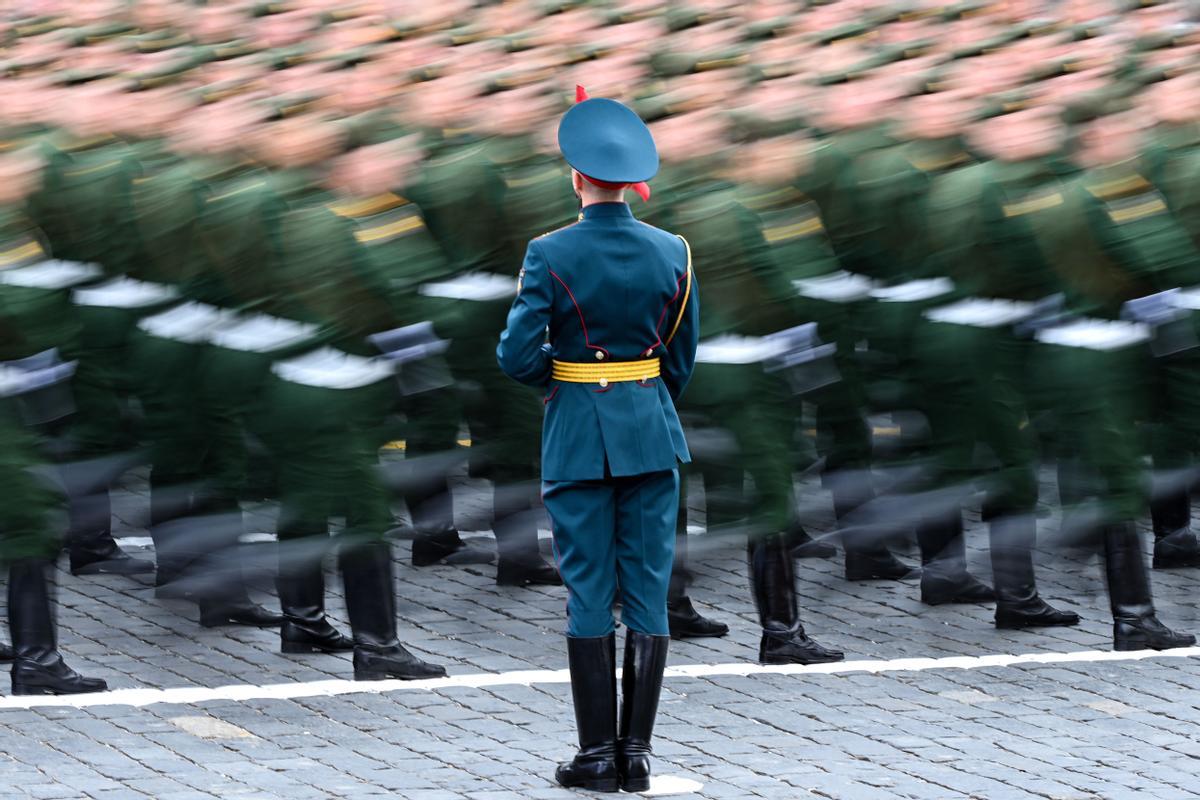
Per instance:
(38,668)
(371,605)
(1135,625)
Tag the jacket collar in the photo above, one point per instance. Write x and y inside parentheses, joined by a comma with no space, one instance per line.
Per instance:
(607,210)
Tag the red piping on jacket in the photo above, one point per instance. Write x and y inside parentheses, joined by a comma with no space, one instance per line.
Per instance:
(579,311)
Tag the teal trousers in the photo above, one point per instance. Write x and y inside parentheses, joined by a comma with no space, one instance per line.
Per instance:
(610,534)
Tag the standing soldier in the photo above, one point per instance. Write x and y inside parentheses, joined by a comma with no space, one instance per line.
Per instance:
(620,303)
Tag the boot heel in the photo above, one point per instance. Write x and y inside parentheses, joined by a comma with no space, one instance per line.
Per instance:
(298,648)
(31,689)
(370,675)
(636,785)
(606,785)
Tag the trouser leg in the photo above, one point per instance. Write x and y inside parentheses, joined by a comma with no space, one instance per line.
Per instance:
(584,517)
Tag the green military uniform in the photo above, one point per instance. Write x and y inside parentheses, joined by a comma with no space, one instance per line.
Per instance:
(967,356)
(83,207)
(1059,231)
(748,295)
(461,194)
(320,414)
(1170,165)
(852,218)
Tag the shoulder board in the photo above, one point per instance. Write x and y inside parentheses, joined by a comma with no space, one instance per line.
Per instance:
(368,207)
(563,228)
(1122,187)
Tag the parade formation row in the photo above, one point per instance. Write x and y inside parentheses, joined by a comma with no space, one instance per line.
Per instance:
(252,244)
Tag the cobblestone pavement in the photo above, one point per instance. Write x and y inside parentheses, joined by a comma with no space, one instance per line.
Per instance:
(1061,729)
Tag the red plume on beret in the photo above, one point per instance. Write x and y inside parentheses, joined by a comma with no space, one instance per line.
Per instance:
(642,188)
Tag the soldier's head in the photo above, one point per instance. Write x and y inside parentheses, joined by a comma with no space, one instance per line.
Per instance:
(306,140)
(936,115)
(608,148)
(1020,133)
(1175,101)
(388,166)
(1108,131)
(774,160)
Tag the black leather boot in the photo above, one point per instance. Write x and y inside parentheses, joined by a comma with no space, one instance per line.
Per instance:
(100,555)
(685,622)
(301,584)
(1018,604)
(371,605)
(519,561)
(804,546)
(437,542)
(1175,544)
(944,576)
(37,667)
(868,557)
(641,686)
(235,609)
(592,661)
(773,582)
(445,546)
(1135,625)
(6,652)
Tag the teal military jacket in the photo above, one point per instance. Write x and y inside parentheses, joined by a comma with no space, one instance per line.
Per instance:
(605,290)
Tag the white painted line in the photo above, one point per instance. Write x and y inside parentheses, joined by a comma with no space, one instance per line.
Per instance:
(483,680)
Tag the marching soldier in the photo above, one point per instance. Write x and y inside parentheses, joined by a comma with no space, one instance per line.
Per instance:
(621,306)
(320,411)
(28,545)
(749,297)
(460,193)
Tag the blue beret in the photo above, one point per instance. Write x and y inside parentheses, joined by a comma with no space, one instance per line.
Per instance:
(608,142)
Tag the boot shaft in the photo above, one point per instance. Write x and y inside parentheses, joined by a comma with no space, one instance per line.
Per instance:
(592,662)
(641,687)
(773,580)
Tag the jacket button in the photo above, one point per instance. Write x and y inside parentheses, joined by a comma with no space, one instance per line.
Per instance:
(599,355)
(603,382)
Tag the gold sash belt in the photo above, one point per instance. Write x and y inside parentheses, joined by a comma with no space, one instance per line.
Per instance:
(604,374)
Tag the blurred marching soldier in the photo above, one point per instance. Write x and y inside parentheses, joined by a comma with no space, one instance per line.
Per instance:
(615,362)
(460,193)
(1053,230)
(773,162)
(748,298)
(82,206)
(967,356)
(1171,162)
(1116,245)
(30,322)
(853,122)
(321,411)
(204,220)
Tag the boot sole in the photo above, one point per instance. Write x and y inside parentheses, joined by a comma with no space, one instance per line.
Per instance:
(1130,646)
(605,786)
(1021,626)
(779,662)
(302,648)
(680,635)
(638,785)
(391,676)
(27,690)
